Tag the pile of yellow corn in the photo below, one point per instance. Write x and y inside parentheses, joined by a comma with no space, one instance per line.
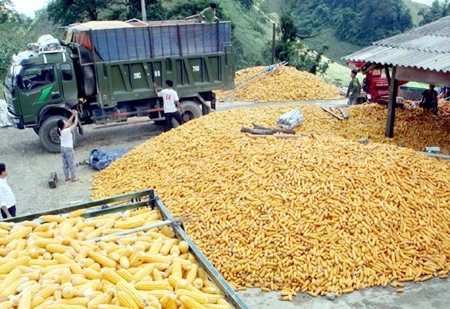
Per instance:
(414,128)
(318,213)
(281,85)
(56,264)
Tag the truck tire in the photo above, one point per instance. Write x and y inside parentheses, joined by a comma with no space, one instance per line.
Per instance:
(49,137)
(192,110)
(88,84)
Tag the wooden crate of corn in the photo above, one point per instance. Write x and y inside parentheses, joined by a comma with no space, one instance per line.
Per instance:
(319,214)
(126,256)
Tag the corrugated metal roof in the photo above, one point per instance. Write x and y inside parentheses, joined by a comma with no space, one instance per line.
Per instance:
(426,47)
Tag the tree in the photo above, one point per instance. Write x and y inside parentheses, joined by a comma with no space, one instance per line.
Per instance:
(247,4)
(5,12)
(359,22)
(66,12)
(436,11)
(154,10)
(291,49)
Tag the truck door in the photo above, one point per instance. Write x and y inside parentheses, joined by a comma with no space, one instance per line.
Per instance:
(68,83)
(38,87)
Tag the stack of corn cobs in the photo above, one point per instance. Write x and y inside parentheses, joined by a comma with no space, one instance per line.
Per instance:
(55,264)
(281,85)
(320,213)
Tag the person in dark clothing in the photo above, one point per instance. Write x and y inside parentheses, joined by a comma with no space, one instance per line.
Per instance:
(354,89)
(430,101)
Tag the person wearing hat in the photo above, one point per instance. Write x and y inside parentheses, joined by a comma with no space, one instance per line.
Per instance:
(354,88)
(430,100)
(208,14)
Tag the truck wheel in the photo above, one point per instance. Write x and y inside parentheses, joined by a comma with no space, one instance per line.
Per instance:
(48,134)
(192,110)
(88,85)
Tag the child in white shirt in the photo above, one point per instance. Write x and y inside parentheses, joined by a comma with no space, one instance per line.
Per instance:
(7,198)
(65,130)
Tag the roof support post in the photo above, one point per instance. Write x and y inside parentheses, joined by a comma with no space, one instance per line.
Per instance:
(388,76)
(393,89)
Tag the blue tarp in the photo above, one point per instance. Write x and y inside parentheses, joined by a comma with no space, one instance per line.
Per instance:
(102,158)
(140,43)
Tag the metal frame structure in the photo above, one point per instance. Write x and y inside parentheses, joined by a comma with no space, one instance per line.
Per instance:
(146,198)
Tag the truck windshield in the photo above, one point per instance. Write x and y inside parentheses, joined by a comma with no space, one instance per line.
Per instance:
(34,77)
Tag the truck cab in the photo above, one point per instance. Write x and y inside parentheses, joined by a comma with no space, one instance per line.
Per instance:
(38,81)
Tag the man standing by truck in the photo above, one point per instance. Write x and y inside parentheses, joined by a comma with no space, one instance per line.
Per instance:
(170,98)
(209,13)
(354,88)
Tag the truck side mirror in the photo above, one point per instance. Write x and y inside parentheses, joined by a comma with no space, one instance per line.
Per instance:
(20,82)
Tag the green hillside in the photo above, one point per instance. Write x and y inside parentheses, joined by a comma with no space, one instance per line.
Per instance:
(337,49)
(415,8)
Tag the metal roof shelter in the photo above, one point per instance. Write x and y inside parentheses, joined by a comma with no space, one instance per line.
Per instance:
(421,54)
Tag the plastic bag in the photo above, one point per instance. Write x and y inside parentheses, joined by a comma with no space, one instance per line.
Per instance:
(4,120)
(101,158)
(291,119)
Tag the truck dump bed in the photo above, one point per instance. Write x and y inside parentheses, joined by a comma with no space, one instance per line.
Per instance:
(127,57)
(88,243)
(119,41)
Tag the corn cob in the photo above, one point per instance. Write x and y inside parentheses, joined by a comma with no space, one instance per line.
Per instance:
(68,292)
(9,266)
(10,283)
(102,298)
(169,301)
(125,274)
(129,223)
(102,259)
(152,285)
(156,246)
(130,293)
(125,300)
(167,231)
(199,297)
(190,303)
(52,218)
(183,246)
(107,306)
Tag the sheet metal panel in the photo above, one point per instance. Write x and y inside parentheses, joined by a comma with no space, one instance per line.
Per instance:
(426,47)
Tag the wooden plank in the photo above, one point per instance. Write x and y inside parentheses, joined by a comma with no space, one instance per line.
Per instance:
(331,113)
(275,135)
(393,88)
(343,112)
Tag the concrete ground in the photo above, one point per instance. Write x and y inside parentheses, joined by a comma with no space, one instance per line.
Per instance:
(30,166)
(433,294)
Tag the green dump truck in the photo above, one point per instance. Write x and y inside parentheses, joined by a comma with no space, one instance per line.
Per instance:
(106,69)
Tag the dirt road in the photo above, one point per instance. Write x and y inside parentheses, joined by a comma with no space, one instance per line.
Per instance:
(30,165)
